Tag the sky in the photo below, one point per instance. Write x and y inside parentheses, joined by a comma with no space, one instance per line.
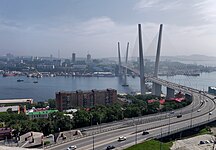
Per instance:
(44,27)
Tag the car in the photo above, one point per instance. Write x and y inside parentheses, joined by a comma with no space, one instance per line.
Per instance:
(172,112)
(122,138)
(110,147)
(198,110)
(202,142)
(179,115)
(83,130)
(210,113)
(207,142)
(145,133)
(72,147)
(49,136)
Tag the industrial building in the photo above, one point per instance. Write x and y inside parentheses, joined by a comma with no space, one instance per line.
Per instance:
(87,99)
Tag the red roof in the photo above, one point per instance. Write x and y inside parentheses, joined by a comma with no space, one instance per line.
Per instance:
(161,101)
(151,100)
(177,99)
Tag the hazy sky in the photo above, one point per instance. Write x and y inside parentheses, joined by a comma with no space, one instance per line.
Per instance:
(42,27)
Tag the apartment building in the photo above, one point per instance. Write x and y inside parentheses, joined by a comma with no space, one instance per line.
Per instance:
(67,100)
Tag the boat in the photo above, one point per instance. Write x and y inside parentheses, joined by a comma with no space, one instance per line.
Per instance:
(20,80)
(8,74)
(191,74)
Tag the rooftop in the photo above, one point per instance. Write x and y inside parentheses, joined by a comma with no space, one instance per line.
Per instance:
(42,112)
(15,101)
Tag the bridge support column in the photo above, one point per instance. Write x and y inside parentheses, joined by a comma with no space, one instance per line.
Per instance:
(170,93)
(156,89)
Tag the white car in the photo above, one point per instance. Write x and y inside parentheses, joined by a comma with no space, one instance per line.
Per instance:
(122,138)
(72,147)
(198,110)
(210,113)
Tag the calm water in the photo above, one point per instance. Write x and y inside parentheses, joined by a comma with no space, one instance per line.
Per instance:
(47,86)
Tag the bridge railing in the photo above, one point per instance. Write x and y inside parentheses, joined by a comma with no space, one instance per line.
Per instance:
(164,134)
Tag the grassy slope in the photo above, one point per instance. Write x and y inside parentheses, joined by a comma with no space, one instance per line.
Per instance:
(151,145)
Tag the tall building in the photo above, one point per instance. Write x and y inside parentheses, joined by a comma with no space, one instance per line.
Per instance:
(68,100)
(88,58)
(73,57)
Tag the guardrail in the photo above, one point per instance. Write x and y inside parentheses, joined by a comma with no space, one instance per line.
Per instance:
(143,121)
(183,129)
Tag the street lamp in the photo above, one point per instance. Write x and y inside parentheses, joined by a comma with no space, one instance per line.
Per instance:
(161,140)
(136,135)
(169,123)
(100,123)
(209,113)
(191,122)
(91,119)
(93,142)
(122,113)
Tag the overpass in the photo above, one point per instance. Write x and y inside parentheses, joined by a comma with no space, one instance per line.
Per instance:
(158,125)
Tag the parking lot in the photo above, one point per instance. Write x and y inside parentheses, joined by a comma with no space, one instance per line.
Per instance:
(201,142)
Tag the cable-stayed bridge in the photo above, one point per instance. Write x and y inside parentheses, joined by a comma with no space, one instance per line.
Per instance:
(201,111)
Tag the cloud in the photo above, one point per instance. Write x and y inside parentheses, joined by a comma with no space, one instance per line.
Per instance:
(100,35)
(161,5)
(207,10)
(9,24)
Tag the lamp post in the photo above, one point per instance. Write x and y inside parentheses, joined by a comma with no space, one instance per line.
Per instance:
(209,113)
(93,142)
(122,112)
(136,135)
(169,123)
(191,122)
(90,119)
(100,123)
(213,143)
(43,143)
(161,140)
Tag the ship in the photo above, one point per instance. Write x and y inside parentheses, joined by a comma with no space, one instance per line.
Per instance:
(9,74)
(20,80)
(191,74)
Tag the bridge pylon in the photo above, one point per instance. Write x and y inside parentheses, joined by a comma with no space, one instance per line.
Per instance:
(141,61)
(119,64)
(125,69)
(156,88)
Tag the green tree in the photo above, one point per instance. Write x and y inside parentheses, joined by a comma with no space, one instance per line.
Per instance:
(82,118)
(52,103)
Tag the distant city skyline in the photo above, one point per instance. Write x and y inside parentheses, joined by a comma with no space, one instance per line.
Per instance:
(42,28)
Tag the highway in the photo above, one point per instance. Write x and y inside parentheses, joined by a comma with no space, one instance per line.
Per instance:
(157,125)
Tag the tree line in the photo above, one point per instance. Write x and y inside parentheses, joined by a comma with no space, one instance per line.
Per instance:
(58,121)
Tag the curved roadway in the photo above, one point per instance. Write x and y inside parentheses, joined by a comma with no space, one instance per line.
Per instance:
(157,125)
